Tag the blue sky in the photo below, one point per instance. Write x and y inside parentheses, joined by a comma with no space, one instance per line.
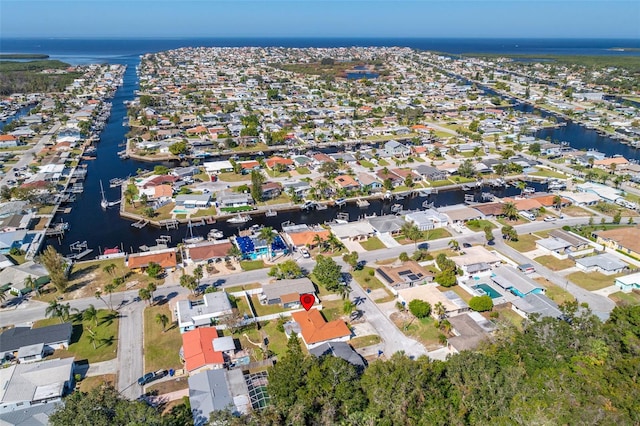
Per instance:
(320,18)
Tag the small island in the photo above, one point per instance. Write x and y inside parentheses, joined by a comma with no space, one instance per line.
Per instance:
(23,56)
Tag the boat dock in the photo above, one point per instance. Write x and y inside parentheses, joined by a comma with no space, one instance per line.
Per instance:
(362,203)
(140,224)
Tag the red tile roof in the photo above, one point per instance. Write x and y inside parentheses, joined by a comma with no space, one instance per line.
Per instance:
(198,350)
(315,329)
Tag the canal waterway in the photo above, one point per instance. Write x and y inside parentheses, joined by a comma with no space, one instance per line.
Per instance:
(105,229)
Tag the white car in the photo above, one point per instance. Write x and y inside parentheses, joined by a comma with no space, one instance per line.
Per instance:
(549,219)
(305,253)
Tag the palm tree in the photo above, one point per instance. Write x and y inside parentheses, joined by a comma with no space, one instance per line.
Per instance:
(53,310)
(144,294)
(440,310)
(163,320)
(3,295)
(411,232)
(189,282)
(90,314)
(92,338)
(266,234)
(30,283)
(455,245)
(109,289)
(234,252)
(521,185)
(318,241)
(98,295)
(110,268)
(557,201)
(510,210)
(153,287)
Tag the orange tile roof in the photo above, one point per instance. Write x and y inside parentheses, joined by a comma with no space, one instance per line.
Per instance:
(524,204)
(198,348)
(346,181)
(290,297)
(609,161)
(547,200)
(142,260)
(197,129)
(270,162)
(7,138)
(209,251)
(315,329)
(307,237)
(162,191)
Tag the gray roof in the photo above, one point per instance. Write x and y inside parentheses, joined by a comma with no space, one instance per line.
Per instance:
(217,389)
(606,261)
(553,243)
(281,287)
(33,415)
(455,299)
(16,274)
(507,277)
(208,391)
(469,334)
(30,350)
(387,223)
(17,337)
(537,304)
(224,344)
(339,350)
(568,237)
(425,170)
(214,304)
(38,381)
(193,197)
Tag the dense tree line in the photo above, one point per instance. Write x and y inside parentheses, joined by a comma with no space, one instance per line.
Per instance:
(572,371)
(26,77)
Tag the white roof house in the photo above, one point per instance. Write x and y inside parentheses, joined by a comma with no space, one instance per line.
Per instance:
(192,314)
(427,219)
(213,167)
(627,283)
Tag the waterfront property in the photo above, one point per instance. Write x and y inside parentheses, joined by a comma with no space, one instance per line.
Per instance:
(253,247)
(166,258)
(208,250)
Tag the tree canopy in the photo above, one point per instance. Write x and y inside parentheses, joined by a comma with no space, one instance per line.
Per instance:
(327,272)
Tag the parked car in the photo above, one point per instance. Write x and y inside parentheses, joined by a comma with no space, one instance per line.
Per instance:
(549,219)
(160,374)
(305,253)
(466,245)
(147,378)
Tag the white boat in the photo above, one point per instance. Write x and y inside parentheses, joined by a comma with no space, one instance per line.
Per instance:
(192,239)
(215,234)
(103,202)
(271,213)
(340,201)
(241,218)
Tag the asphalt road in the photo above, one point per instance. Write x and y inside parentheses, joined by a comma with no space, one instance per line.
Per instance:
(130,354)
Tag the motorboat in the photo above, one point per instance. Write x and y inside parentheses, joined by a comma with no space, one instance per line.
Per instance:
(215,234)
(241,218)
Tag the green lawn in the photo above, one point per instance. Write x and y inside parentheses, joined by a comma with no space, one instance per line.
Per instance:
(373,243)
(433,234)
(525,243)
(365,280)
(276,174)
(479,224)
(457,290)
(264,309)
(242,287)
(332,309)
(382,162)
(243,306)
(437,183)
(161,349)
(557,294)
(625,298)
(367,164)
(277,339)
(303,170)
(593,280)
(421,329)
(364,341)
(549,174)
(509,315)
(554,263)
(251,265)
(80,346)
(233,177)
(236,209)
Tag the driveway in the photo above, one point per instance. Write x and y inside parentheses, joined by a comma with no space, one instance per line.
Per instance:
(130,353)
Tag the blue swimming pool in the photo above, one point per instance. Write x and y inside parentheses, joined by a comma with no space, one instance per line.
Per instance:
(254,248)
(485,289)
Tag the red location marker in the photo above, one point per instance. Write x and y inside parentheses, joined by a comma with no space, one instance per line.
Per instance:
(307,301)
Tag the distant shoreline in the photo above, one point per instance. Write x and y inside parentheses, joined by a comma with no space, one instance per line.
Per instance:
(23,56)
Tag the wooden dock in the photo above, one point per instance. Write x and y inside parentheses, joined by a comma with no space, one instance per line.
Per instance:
(140,224)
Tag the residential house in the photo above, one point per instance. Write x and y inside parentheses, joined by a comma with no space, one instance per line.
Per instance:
(346,182)
(429,173)
(166,258)
(299,188)
(217,390)
(383,175)
(353,231)
(273,162)
(197,351)
(51,337)
(628,283)
(217,167)
(606,263)
(538,304)
(209,250)
(304,235)
(193,201)
(315,330)
(476,261)
(30,392)
(460,215)
(518,284)
(452,303)
(408,274)
(8,141)
(14,276)
(396,149)
(623,239)
(369,182)
(340,350)
(254,247)
(469,330)
(203,312)
(271,190)
(185,172)
(388,224)
(427,219)
(614,163)
(287,292)
(407,173)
